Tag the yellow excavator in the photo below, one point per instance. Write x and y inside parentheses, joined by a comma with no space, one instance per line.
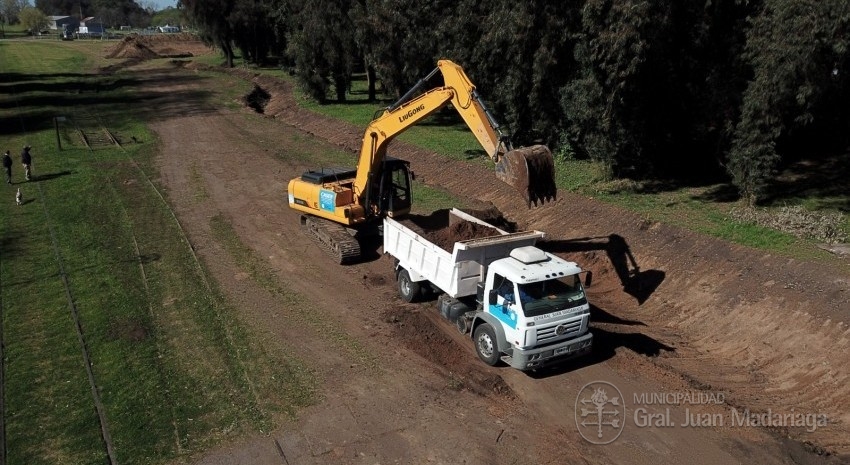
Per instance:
(337,203)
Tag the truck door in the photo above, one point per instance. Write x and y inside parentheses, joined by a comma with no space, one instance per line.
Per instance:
(506,307)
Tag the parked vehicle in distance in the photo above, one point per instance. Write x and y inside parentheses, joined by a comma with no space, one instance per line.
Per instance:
(67,33)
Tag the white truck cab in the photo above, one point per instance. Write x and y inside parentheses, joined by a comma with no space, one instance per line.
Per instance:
(536,310)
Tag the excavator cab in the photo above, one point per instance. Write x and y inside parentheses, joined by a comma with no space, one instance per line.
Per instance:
(393,190)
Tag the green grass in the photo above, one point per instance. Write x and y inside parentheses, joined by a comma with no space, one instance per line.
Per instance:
(176,370)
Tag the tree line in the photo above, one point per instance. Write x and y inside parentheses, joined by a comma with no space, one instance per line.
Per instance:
(110,13)
(660,89)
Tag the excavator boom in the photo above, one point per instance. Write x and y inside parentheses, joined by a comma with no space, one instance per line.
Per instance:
(530,170)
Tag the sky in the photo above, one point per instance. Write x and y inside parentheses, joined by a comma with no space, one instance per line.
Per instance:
(162,4)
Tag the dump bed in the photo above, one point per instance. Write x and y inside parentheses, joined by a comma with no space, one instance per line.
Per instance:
(456,273)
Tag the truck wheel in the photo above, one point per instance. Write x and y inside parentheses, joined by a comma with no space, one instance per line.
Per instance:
(461,324)
(407,289)
(485,344)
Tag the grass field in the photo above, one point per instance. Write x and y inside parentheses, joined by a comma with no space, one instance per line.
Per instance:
(172,367)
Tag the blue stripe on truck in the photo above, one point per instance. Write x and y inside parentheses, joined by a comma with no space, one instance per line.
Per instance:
(504,314)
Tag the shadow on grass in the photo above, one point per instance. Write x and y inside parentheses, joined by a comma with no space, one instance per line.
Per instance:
(822,180)
(49,176)
(38,100)
(10,245)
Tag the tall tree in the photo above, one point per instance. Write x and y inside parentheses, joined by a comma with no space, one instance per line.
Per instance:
(699,76)
(253,31)
(33,19)
(400,39)
(64,7)
(520,54)
(213,19)
(798,50)
(171,16)
(114,13)
(605,100)
(321,42)
(10,9)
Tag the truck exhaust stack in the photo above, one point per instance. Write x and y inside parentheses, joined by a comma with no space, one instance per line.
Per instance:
(531,171)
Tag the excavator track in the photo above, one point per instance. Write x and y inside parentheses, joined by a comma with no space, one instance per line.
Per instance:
(332,237)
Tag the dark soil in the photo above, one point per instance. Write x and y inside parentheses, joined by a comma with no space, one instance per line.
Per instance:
(439,228)
(423,335)
(461,231)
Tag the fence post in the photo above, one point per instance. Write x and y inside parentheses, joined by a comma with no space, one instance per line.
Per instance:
(56,125)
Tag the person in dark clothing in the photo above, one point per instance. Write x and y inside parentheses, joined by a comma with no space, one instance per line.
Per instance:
(7,166)
(26,160)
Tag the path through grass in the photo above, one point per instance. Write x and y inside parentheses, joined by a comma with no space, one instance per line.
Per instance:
(175,368)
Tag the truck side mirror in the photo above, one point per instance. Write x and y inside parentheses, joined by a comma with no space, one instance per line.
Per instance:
(491,298)
(413,175)
(588,278)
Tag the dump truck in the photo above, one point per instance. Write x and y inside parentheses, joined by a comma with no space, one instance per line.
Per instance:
(520,305)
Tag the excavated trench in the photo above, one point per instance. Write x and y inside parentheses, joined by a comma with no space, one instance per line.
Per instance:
(257,99)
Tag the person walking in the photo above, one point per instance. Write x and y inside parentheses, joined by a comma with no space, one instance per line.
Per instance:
(7,166)
(26,160)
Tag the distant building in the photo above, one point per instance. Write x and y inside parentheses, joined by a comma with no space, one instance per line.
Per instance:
(92,27)
(59,23)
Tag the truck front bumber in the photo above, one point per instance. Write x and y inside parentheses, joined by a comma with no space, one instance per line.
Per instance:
(537,357)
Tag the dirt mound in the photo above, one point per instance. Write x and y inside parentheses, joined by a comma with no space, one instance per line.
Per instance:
(147,47)
(494,216)
(132,47)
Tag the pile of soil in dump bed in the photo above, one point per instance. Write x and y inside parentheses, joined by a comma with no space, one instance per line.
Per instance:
(436,228)
(461,231)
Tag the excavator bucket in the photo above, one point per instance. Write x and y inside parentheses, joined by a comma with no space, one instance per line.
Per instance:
(531,171)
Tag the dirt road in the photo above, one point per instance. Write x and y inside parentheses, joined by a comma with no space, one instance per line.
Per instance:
(699,316)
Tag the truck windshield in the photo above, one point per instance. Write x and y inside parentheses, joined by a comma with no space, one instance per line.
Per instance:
(552,295)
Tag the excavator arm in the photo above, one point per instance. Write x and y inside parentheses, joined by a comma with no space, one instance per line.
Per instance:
(530,170)
(337,204)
